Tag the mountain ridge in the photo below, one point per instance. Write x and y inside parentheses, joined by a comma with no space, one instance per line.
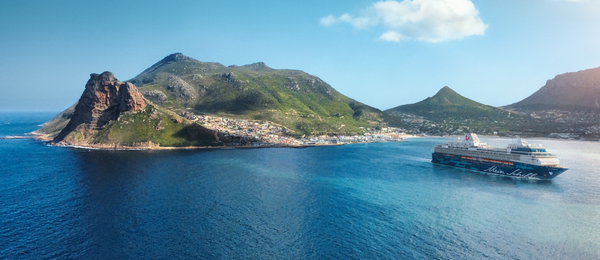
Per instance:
(302,102)
(306,105)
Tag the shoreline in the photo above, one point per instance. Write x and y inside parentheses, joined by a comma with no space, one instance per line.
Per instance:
(46,138)
(172,148)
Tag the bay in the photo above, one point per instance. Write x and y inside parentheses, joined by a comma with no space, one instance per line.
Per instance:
(360,201)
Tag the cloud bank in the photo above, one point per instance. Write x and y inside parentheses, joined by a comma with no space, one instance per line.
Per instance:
(420,20)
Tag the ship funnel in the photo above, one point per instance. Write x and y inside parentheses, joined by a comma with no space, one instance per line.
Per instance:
(472,139)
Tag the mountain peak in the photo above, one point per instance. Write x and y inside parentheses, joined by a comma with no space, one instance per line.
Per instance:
(446,103)
(176,57)
(445,91)
(175,63)
(447,96)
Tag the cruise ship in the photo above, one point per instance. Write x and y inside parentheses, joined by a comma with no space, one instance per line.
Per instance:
(519,160)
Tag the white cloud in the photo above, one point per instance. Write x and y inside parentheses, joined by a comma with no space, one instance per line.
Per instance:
(391,36)
(358,23)
(328,20)
(421,20)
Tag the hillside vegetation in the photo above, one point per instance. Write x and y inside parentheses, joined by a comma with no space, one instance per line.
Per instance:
(447,112)
(156,125)
(301,102)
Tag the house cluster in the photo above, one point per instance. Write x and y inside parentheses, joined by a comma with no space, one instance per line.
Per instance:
(239,132)
(572,124)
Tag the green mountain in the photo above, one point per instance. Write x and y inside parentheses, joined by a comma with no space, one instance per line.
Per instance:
(447,112)
(301,102)
(447,104)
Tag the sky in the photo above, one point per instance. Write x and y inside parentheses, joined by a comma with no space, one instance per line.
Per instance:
(381,53)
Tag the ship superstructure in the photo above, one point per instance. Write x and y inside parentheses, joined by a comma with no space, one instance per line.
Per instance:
(519,159)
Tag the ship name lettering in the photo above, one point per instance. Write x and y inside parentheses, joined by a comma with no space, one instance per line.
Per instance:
(516,172)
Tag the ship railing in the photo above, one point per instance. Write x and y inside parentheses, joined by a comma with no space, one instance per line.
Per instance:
(548,155)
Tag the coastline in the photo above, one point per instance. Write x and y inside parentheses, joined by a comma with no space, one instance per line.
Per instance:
(46,138)
(145,146)
(148,146)
(166,148)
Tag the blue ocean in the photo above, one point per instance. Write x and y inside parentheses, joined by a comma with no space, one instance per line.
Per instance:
(359,201)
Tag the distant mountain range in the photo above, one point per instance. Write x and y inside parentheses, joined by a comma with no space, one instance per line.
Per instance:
(302,103)
(569,103)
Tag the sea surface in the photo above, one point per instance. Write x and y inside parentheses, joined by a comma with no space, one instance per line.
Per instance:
(359,201)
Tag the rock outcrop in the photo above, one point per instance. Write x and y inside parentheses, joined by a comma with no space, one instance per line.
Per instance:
(180,89)
(574,90)
(231,78)
(130,98)
(155,96)
(103,100)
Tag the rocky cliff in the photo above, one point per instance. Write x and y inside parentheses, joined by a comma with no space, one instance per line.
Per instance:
(103,100)
(571,91)
(114,114)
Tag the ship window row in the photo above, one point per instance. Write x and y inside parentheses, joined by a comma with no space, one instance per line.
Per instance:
(506,157)
(486,160)
(544,154)
(526,149)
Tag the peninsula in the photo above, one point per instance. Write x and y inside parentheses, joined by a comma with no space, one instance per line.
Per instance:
(213,107)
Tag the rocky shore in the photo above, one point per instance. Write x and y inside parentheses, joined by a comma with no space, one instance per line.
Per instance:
(152,146)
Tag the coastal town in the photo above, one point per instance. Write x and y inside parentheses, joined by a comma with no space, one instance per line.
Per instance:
(256,133)
(552,123)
